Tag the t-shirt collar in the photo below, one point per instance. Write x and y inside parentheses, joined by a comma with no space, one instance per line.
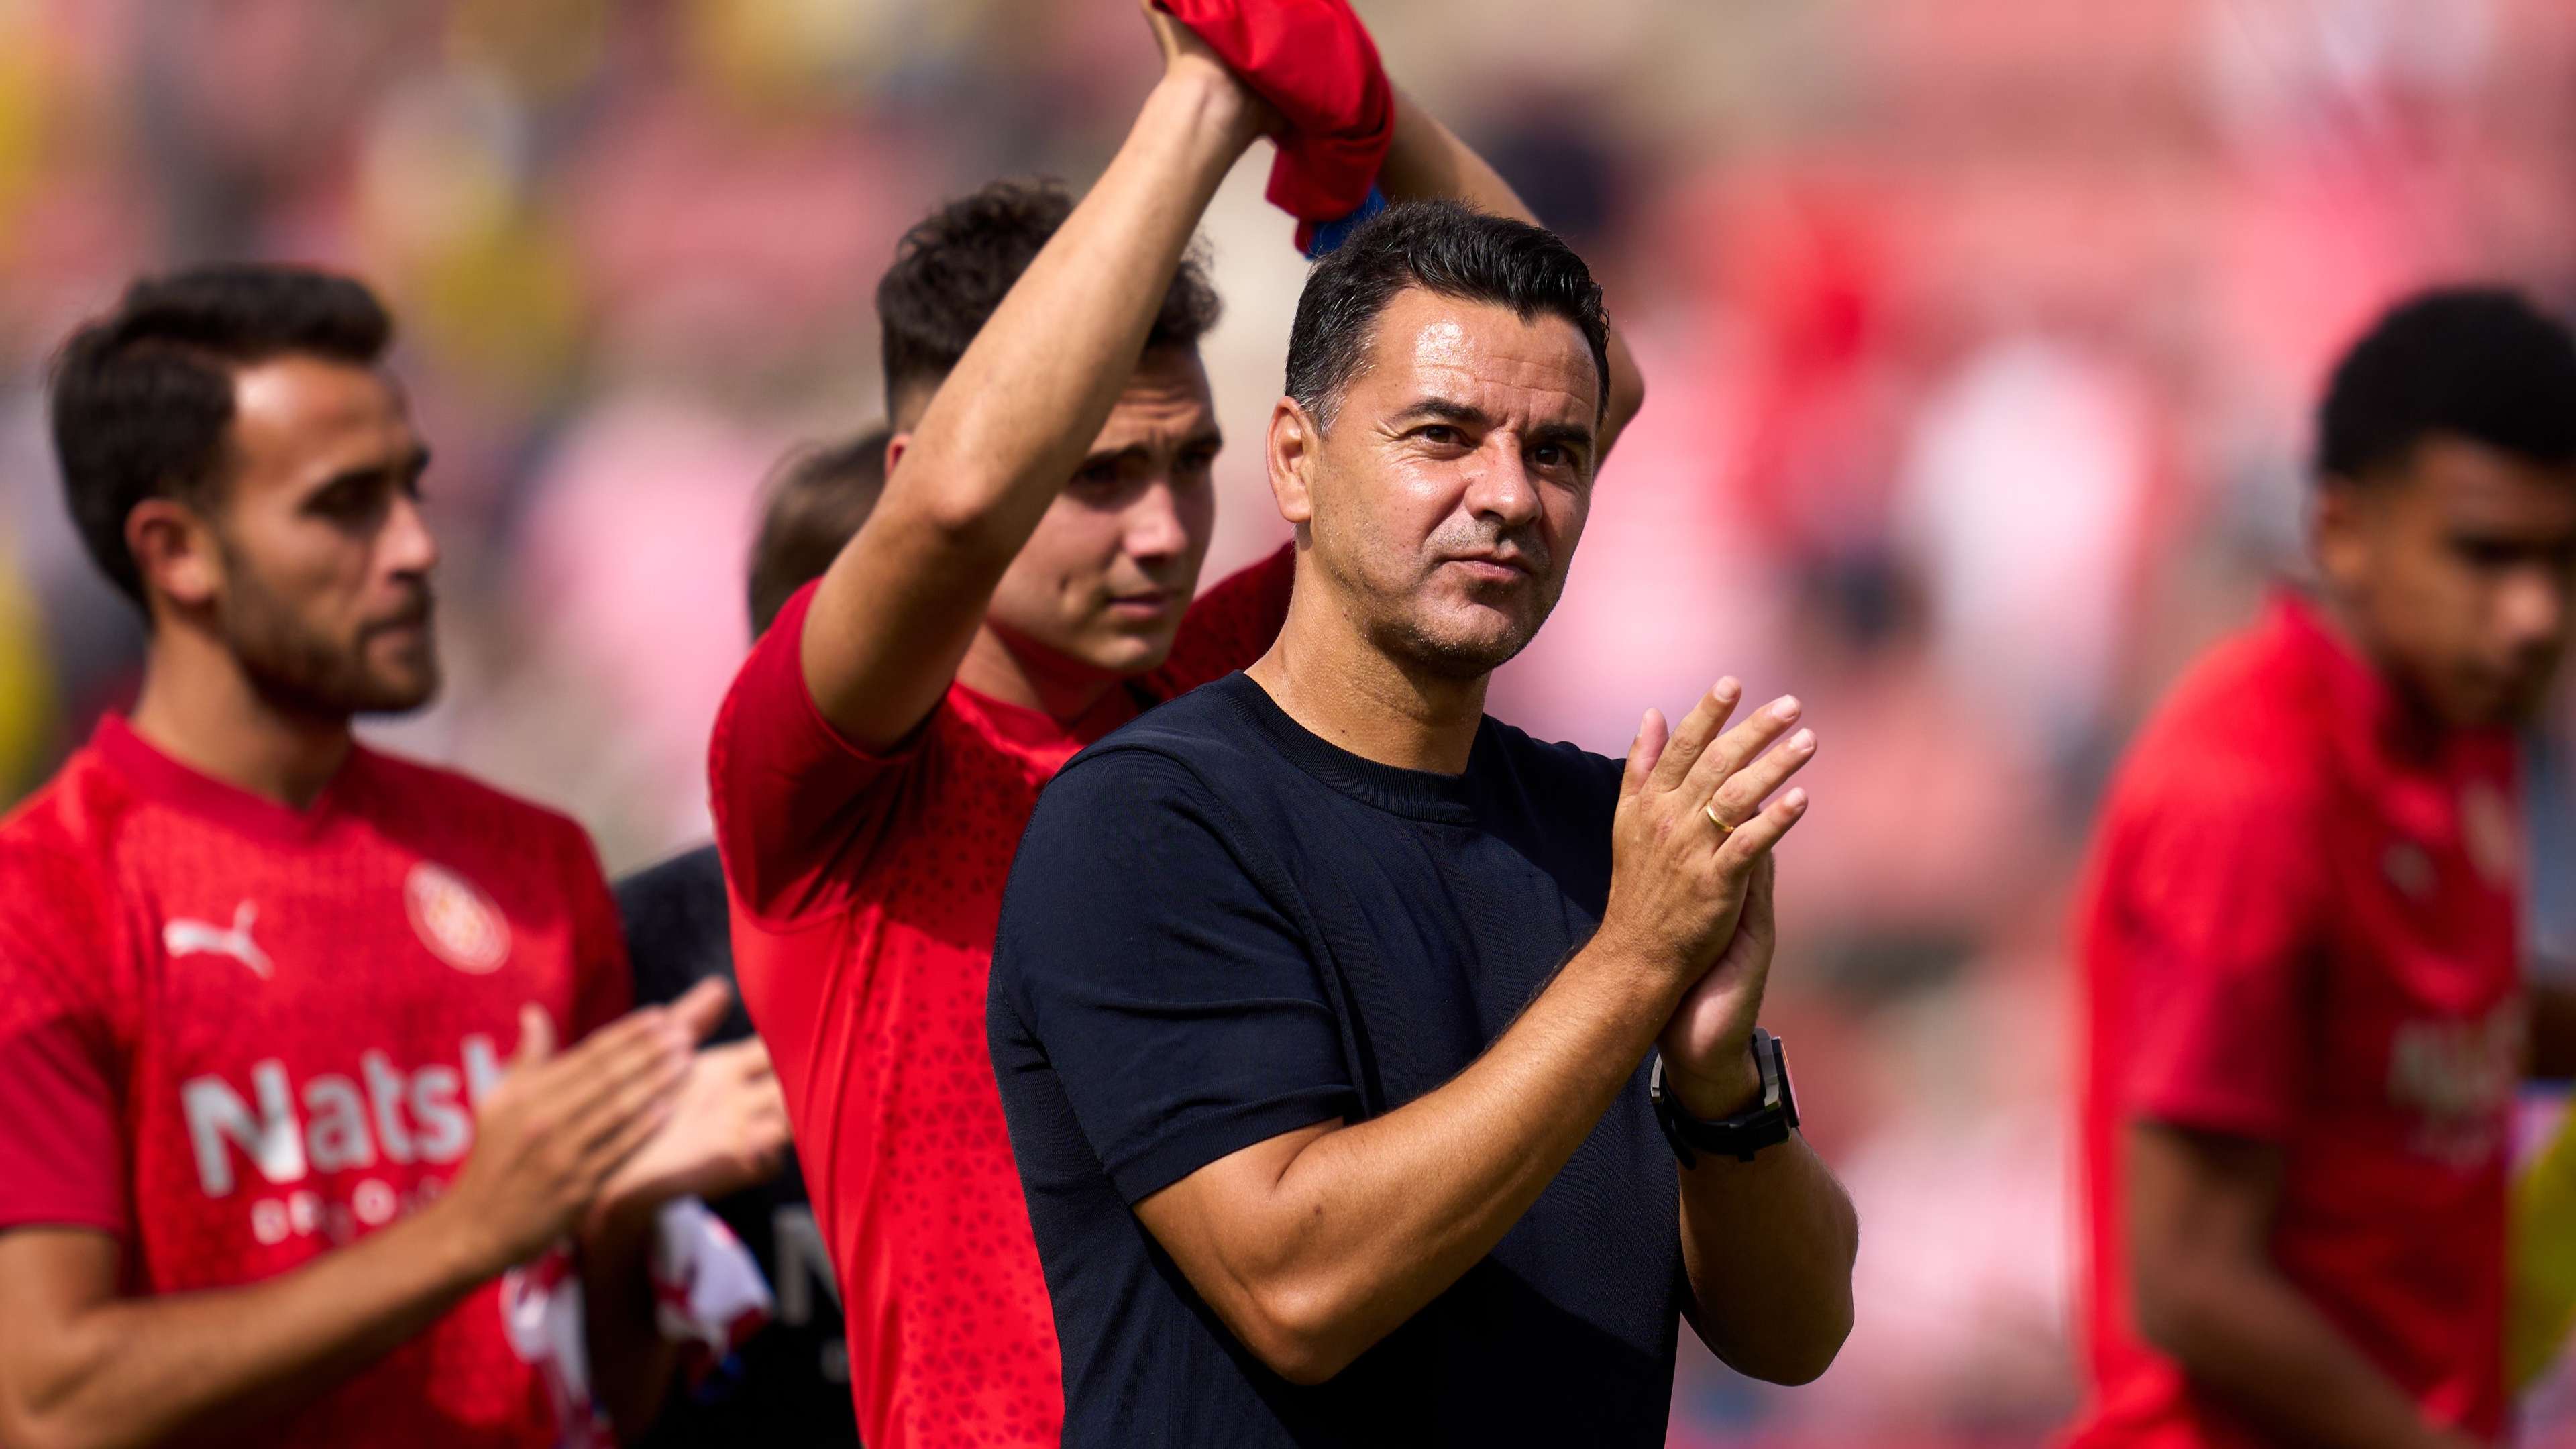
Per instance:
(1035,729)
(1422,794)
(182,787)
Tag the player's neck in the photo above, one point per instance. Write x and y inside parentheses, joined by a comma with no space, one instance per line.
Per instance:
(2417,722)
(1064,690)
(1344,690)
(200,709)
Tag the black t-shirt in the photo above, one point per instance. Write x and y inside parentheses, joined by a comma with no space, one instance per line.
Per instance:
(1221,928)
(790,1384)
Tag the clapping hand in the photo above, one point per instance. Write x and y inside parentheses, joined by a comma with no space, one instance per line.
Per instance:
(1691,879)
(726,1130)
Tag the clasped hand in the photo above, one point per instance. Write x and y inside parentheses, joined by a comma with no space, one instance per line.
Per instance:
(1691,880)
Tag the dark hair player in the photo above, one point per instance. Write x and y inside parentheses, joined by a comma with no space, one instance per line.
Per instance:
(279,1097)
(2301,932)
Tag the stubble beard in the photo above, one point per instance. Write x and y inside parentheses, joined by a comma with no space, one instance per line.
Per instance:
(298,670)
(1404,639)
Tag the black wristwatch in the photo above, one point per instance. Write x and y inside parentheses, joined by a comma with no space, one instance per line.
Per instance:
(1766,1123)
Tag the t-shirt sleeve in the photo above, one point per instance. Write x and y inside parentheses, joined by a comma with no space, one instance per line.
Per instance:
(1174,1000)
(2221,900)
(789,792)
(1229,626)
(62,1137)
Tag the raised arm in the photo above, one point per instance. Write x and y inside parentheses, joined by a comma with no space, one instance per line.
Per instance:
(897,609)
(1314,1245)
(1427,160)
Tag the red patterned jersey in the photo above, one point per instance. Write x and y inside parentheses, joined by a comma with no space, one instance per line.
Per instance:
(236,1035)
(865,889)
(2301,928)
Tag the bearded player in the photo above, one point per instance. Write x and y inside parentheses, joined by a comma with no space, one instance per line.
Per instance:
(2301,932)
(1022,587)
(280,1101)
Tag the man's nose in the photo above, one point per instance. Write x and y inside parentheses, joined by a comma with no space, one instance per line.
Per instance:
(2533,606)
(1502,488)
(410,547)
(1154,526)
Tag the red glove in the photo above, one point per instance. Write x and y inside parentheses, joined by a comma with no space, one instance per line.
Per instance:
(1314,63)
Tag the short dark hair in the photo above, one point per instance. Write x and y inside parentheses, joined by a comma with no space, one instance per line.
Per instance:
(816,501)
(2480,363)
(1445,247)
(955,266)
(143,397)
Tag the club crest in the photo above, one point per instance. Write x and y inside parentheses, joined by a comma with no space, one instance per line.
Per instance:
(458,923)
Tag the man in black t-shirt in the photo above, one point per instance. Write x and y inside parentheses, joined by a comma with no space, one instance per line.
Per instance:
(1322,1004)
(791,1385)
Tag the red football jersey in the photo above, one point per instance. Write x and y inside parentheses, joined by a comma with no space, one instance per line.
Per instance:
(865,890)
(237,1035)
(2301,928)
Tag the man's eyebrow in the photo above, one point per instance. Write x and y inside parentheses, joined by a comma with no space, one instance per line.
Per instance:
(1108,456)
(1562,434)
(405,466)
(1208,438)
(1443,410)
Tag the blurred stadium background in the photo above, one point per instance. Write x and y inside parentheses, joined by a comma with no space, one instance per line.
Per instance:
(1981,335)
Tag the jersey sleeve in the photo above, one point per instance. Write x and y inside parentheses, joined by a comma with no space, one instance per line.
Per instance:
(62,1135)
(1173,999)
(1229,626)
(790,793)
(2221,903)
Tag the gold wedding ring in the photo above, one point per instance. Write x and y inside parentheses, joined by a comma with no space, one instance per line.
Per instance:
(1710,810)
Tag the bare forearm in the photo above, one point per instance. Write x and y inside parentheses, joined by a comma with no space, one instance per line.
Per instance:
(1424,160)
(1372,1222)
(1769,1245)
(2246,1334)
(631,1362)
(141,1370)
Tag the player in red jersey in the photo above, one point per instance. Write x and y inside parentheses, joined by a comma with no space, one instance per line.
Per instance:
(2307,1019)
(1020,589)
(279,1097)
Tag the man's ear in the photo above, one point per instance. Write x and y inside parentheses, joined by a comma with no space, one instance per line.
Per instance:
(1288,450)
(896,445)
(2340,517)
(174,552)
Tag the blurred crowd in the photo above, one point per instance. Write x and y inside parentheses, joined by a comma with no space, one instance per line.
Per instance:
(1981,335)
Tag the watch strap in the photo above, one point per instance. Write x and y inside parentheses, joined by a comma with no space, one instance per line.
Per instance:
(1767,1123)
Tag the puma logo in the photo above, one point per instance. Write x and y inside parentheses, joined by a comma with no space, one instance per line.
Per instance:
(182,937)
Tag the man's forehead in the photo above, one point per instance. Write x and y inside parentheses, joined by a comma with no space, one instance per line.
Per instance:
(1167,398)
(293,408)
(2473,483)
(1485,354)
